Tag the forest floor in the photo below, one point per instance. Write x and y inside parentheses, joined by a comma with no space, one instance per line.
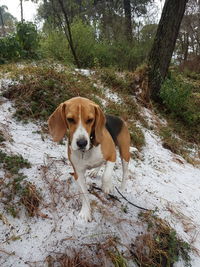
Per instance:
(39,221)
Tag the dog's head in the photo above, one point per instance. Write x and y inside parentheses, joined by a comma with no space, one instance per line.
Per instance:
(83,119)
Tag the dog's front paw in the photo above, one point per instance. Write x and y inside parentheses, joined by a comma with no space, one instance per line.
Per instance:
(85,214)
(107,187)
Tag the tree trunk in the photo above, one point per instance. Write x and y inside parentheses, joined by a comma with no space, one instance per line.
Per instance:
(128,24)
(21,6)
(2,23)
(164,43)
(68,33)
(186,46)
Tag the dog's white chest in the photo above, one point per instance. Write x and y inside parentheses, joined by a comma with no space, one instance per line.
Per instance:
(87,160)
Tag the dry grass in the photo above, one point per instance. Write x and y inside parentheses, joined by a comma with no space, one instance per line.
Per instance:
(31,199)
(15,190)
(99,254)
(41,88)
(159,245)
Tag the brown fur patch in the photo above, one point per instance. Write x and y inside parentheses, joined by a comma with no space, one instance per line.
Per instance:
(124,140)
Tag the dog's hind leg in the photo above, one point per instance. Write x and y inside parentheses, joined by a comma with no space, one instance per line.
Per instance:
(123,142)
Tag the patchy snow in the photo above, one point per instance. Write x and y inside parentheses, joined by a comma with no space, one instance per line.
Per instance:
(113,96)
(85,72)
(152,118)
(5,82)
(160,179)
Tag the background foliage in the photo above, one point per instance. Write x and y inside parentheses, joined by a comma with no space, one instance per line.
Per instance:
(23,43)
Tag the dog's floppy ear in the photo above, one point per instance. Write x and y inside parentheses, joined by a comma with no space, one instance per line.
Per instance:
(57,123)
(100,121)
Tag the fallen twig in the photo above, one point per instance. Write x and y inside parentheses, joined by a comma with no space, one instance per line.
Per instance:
(6,252)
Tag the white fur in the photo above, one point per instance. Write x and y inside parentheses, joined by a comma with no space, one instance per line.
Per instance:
(78,134)
(85,212)
(125,174)
(82,161)
(87,160)
(107,177)
(93,158)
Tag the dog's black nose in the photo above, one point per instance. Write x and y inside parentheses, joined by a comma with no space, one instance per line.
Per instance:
(82,143)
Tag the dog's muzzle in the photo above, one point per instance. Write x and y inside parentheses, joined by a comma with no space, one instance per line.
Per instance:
(82,143)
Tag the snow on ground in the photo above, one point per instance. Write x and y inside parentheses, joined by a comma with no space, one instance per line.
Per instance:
(113,96)
(159,179)
(85,72)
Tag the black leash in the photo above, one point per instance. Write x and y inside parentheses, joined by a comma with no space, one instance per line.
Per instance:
(116,198)
(129,201)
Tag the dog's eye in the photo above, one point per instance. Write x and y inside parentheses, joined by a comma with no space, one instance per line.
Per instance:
(89,121)
(70,120)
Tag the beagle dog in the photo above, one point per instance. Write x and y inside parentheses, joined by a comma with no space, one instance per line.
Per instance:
(92,140)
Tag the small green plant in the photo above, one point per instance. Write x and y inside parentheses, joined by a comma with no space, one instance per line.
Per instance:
(117,259)
(175,94)
(13,163)
(159,245)
(137,136)
(15,190)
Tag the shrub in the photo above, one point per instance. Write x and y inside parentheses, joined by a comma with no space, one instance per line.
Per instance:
(22,44)
(93,51)
(28,38)
(84,43)
(177,96)
(9,48)
(53,44)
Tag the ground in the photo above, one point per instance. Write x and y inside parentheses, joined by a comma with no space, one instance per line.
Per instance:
(159,180)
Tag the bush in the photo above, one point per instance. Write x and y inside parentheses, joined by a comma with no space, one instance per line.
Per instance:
(177,96)
(91,50)
(9,48)
(84,43)
(23,44)
(53,44)
(28,38)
